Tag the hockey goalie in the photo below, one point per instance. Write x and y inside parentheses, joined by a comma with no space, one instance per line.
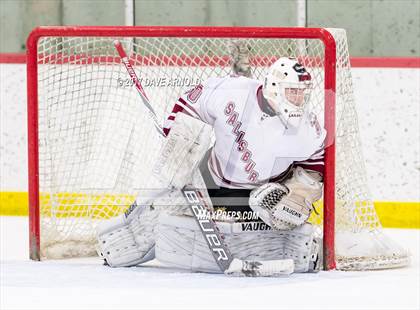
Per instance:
(261,176)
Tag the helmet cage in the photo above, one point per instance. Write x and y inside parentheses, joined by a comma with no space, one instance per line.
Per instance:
(287,88)
(295,95)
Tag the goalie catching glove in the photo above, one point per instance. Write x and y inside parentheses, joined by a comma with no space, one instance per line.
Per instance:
(285,206)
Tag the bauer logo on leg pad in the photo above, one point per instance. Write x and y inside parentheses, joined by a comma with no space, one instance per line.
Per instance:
(213,241)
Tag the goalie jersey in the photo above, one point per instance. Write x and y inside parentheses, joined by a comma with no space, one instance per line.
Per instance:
(251,147)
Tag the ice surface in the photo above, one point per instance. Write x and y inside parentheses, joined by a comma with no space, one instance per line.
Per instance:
(86,284)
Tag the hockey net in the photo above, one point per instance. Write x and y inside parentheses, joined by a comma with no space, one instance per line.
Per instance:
(92,144)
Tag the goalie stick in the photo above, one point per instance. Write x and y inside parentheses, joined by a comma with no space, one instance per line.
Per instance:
(214,239)
(139,87)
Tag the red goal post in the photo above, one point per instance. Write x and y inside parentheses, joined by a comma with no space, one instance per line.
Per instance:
(329,65)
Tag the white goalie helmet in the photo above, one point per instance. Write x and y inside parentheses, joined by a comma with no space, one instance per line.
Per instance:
(287,88)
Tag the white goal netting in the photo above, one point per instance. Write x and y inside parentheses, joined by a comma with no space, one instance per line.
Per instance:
(97,143)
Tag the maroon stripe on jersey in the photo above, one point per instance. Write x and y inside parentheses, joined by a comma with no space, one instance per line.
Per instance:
(189,107)
(176,109)
(316,156)
(179,108)
(320,151)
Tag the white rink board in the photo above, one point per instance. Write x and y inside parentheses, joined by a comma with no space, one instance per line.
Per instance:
(86,284)
(387,102)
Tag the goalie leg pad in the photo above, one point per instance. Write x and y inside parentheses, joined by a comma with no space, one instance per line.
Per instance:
(128,240)
(180,244)
(125,243)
